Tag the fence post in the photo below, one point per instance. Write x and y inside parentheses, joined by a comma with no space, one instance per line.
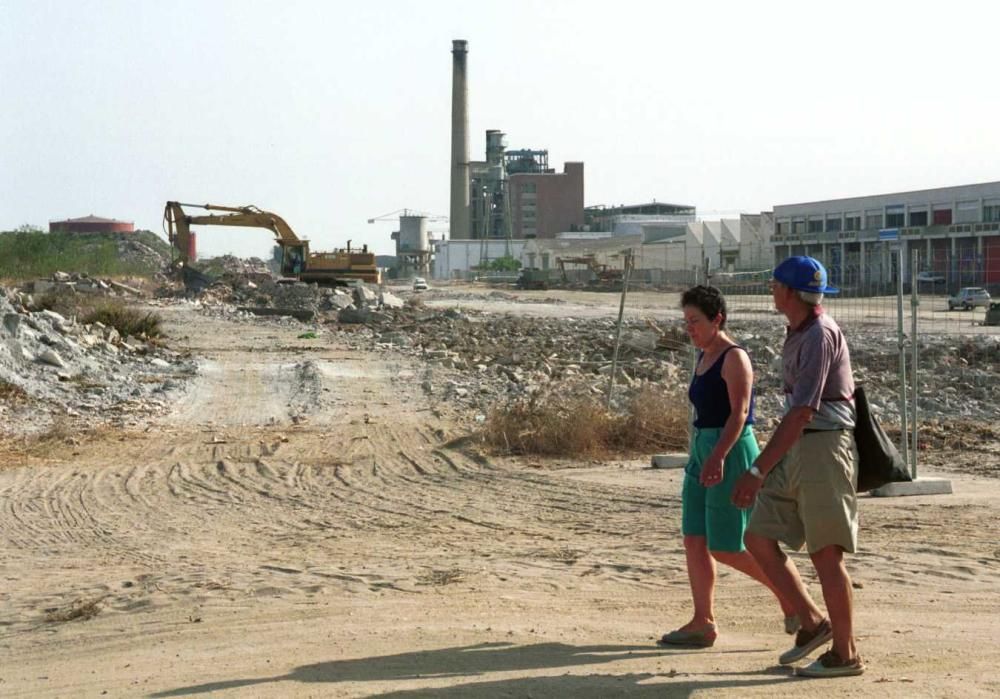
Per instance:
(914,306)
(901,340)
(621,314)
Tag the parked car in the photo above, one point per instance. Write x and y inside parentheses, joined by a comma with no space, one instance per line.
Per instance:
(969,297)
(419,284)
(930,277)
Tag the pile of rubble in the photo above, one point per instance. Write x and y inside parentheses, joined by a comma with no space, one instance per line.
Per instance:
(478,359)
(230,265)
(135,253)
(72,369)
(355,304)
(80,282)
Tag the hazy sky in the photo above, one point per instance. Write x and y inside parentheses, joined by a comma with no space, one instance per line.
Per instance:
(331,113)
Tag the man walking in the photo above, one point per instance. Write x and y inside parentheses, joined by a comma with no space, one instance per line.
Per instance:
(804,481)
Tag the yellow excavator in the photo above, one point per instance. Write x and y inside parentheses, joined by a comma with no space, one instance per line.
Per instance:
(326,268)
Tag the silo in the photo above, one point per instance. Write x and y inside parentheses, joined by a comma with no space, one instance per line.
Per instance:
(413,237)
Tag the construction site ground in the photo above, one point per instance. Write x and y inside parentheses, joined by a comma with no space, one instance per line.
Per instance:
(306,522)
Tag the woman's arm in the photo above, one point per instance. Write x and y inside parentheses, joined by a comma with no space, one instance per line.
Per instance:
(738,375)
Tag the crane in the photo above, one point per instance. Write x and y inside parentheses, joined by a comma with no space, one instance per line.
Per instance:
(407,212)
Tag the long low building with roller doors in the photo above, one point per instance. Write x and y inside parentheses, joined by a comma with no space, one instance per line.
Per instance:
(955,231)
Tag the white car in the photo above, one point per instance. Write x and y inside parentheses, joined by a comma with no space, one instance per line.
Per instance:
(969,297)
(420,284)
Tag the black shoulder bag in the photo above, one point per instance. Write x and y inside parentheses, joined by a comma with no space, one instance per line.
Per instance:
(879,461)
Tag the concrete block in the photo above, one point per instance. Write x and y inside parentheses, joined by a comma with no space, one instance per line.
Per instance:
(669,460)
(921,486)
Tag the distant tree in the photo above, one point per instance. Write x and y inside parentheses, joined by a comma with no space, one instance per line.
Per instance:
(28,228)
(504,264)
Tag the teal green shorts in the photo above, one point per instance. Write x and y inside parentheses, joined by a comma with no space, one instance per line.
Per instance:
(709,512)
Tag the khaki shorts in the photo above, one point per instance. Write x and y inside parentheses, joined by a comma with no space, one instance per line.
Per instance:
(811,497)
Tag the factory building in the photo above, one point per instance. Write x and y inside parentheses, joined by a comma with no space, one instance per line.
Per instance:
(91,224)
(510,194)
(955,230)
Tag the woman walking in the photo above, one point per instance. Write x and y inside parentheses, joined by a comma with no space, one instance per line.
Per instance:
(723,449)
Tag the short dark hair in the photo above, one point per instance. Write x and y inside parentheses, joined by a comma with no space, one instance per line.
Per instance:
(708,300)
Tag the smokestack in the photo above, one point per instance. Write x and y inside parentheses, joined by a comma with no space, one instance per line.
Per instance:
(460,220)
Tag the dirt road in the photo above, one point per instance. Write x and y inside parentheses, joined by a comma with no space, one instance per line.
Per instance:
(305,523)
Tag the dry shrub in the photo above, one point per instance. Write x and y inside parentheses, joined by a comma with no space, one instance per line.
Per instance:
(551,425)
(80,609)
(127,321)
(656,420)
(11,391)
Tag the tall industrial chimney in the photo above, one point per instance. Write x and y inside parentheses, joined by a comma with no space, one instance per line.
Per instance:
(460,214)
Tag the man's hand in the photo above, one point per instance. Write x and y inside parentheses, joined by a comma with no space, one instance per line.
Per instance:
(712,471)
(745,491)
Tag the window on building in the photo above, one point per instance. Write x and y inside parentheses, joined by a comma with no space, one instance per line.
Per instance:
(873,220)
(895,216)
(781,228)
(942,216)
(967,212)
(852,221)
(815,225)
(991,210)
(528,188)
(798,227)
(833,225)
(918,218)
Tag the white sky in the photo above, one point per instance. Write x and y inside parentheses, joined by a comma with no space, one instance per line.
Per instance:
(330,113)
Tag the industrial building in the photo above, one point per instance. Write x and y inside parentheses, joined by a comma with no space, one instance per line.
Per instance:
(91,224)
(510,194)
(956,231)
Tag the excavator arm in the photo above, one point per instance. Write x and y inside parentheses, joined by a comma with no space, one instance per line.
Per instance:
(178,224)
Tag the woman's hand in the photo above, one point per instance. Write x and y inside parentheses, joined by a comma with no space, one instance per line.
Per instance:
(745,491)
(712,471)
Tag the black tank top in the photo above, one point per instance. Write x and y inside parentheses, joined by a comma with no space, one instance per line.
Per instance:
(710,397)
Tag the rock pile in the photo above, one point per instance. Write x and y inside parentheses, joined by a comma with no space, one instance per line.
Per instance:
(79,370)
(80,282)
(136,253)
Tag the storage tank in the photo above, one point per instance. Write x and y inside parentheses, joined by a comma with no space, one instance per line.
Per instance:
(413,237)
(91,224)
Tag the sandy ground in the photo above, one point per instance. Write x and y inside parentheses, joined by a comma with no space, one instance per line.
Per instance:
(305,524)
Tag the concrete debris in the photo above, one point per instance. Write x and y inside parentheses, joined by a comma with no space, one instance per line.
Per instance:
(68,368)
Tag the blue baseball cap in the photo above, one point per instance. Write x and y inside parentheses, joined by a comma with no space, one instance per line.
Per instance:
(805,274)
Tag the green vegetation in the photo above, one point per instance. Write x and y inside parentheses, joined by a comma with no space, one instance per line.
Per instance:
(31,255)
(504,264)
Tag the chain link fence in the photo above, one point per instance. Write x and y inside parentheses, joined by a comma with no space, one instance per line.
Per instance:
(923,331)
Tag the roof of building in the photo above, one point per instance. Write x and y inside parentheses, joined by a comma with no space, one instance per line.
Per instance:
(91,219)
(653,207)
(959,190)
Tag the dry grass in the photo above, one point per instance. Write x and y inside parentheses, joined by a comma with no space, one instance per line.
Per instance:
(11,391)
(551,425)
(111,312)
(127,321)
(80,609)
(59,439)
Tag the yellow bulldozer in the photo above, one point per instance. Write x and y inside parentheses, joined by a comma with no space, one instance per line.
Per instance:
(335,268)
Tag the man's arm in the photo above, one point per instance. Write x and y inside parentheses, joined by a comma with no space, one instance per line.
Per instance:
(788,432)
